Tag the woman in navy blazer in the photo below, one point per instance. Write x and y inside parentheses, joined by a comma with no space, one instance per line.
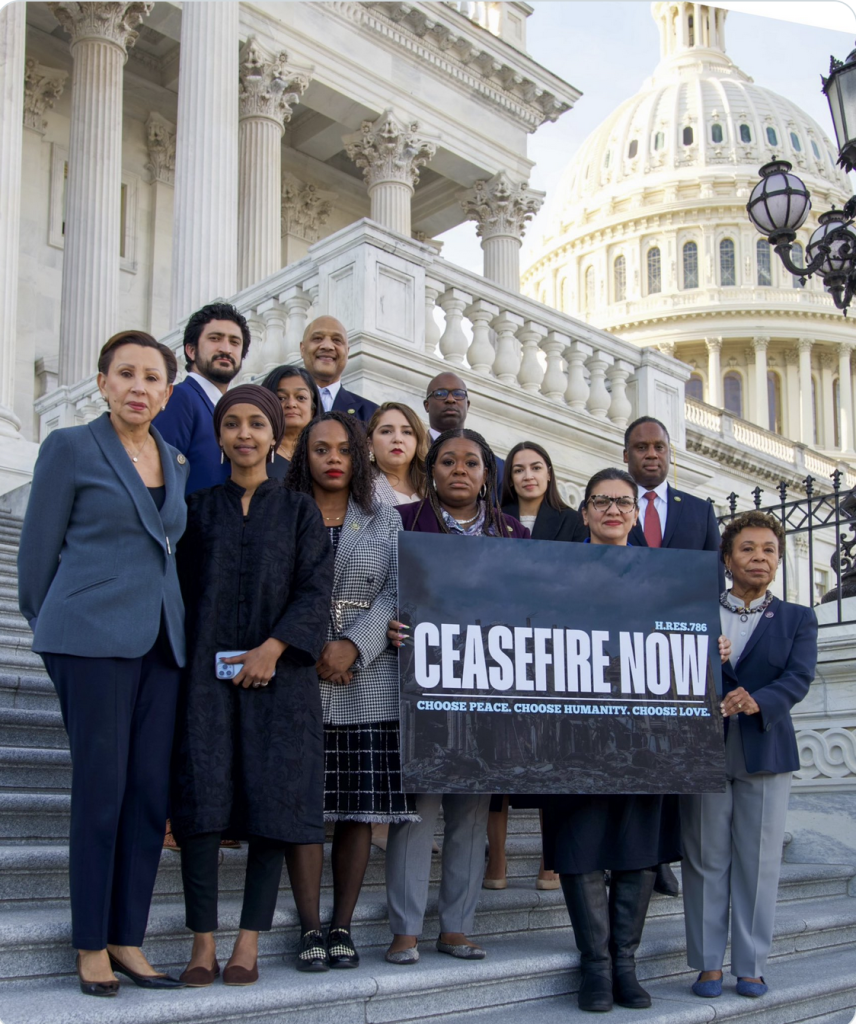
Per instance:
(733,840)
(99,587)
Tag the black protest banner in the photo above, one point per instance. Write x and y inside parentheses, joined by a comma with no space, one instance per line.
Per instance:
(545,667)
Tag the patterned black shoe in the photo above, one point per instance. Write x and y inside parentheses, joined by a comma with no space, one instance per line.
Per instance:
(312,953)
(340,948)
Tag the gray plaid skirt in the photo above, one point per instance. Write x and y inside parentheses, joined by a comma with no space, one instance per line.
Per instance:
(363,774)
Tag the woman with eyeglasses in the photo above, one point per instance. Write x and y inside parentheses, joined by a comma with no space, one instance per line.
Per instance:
(301,404)
(625,834)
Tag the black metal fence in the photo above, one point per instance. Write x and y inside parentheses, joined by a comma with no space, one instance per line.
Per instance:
(830,516)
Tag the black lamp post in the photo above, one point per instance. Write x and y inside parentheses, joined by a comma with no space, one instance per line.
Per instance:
(840,91)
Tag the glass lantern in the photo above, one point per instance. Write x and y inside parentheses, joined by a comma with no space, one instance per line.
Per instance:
(779,203)
(835,231)
(840,91)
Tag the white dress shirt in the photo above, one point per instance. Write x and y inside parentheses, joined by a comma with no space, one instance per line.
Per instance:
(738,632)
(328,394)
(433,434)
(660,504)
(210,389)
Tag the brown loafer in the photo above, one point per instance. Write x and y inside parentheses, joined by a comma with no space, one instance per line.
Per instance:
(200,977)
(234,974)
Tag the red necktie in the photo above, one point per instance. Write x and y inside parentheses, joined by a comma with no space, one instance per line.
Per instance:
(653,531)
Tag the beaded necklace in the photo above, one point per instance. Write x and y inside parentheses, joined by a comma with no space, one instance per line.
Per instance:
(745,612)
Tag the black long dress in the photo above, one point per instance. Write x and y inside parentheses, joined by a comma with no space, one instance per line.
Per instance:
(251,761)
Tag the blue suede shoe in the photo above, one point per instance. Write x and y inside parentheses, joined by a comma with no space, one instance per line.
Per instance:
(708,989)
(750,988)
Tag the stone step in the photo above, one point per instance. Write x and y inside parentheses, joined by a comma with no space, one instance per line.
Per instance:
(14,622)
(523,978)
(8,604)
(9,591)
(34,768)
(26,727)
(30,691)
(34,815)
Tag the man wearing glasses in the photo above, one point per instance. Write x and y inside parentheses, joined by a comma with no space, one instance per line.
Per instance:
(447,403)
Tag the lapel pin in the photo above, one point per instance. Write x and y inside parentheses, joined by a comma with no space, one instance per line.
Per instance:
(180,459)
(355,526)
(768,615)
(677,497)
(351,412)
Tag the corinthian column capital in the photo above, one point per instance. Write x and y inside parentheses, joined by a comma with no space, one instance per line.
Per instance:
(389,149)
(501,206)
(305,208)
(42,88)
(160,139)
(110,22)
(269,85)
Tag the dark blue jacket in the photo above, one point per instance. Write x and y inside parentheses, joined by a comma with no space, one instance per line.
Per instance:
(777,666)
(353,405)
(187,424)
(96,566)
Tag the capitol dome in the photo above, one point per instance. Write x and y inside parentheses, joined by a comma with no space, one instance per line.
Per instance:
(648,237)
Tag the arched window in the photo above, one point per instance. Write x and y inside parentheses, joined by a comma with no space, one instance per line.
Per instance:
(694,387)
(836,412)
(774,401)
(688,136)
(815,150)
(795,142)
(798,261)
(772,138)
(732,393)
(633,148)
(606,158)
(716,133)
(727,275)
(659,140)
(691,26)
(589,289)
(765,274)
(745,133)
(690,265)
(619,272)
(654,280)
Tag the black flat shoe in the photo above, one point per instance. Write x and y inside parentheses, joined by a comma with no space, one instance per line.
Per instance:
(312,952)
(340,949)
(666,883)
(145,980)
(96,988)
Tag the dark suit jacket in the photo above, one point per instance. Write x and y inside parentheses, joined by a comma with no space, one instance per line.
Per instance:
(96,566)
(187,424)
(777,666)
(552,524)
(426,522)
(353,405)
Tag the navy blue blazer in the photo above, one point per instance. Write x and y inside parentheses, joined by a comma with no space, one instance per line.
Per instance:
(353,405)
(187,424)
(96,566)
(777,666)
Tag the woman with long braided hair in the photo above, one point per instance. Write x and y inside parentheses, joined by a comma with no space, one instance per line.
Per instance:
(461,484)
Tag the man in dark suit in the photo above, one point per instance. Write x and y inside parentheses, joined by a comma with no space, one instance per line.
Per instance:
(216,341)
(667,519)
(325,355)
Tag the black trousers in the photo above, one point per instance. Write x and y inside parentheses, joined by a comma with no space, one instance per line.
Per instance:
(200,857)
(119,714)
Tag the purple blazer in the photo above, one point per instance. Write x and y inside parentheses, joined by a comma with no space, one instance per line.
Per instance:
(427,521)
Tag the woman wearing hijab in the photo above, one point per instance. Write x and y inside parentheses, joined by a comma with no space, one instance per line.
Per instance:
(256,569)
(301,403)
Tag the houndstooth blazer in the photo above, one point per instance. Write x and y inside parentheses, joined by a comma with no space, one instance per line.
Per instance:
(365,598)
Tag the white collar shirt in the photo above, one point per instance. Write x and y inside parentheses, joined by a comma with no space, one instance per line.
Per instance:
(433,434)
(661,504)
(211,390)
(328,394)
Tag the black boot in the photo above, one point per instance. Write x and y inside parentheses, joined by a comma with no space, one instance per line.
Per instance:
(629,896)
(585,896)
(665,882)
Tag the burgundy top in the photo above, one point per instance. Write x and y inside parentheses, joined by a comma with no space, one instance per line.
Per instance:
(427,521)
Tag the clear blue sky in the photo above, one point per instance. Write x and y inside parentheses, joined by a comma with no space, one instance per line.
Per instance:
(607,48)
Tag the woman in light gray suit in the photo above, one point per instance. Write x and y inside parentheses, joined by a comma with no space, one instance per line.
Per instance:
(98,586)
(357,668)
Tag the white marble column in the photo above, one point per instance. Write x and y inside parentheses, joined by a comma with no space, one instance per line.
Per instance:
(794,417)
(160,139)
(828,363)
(714,371)
(845,399)
(762,406)
(390,151)
(268,88)
(502,208)
(12,42)
(205,238)
(100,36)
(807,418)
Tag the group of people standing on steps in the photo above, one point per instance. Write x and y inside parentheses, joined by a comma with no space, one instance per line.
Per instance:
(210,573)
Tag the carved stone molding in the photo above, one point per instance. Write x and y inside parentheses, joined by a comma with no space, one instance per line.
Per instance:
(114,22)
(43,86)
(713,344)
(389,149)
(305,208)
(269,85)
(160,139)
(501,206)
(827,753)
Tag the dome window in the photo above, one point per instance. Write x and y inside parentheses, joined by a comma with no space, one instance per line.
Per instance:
(732,393)
(589,289)
(654,279)
(690,259)
(688,136)
(619,273)
(727,275)
(659,141)
(745,133)
(798,260)
(716,133)
(606,158)
(772,138)
(774,402)
(632,149)
(815,150)
(795,142)
(765,274)
(694,388)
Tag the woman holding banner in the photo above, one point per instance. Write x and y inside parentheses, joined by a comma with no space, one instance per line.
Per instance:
(733,840)
(461,474)
(625,834)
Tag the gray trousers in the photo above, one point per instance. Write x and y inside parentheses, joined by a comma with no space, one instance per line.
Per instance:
(733,849)
(408,863)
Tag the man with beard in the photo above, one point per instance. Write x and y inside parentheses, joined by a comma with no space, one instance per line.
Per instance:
(216,340)
(447,404)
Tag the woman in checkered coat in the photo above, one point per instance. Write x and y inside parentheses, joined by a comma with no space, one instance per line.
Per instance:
(357,669)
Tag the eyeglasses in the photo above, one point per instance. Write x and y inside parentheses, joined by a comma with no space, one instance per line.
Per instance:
(459,394)
(602,502)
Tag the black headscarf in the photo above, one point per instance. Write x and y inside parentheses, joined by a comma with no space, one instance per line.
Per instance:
(252,394)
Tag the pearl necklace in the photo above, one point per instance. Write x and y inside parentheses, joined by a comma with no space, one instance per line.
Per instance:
(467,522)
(745,612)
